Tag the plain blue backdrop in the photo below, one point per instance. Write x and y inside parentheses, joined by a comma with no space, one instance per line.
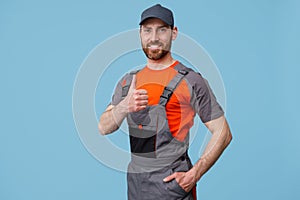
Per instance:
(255,45)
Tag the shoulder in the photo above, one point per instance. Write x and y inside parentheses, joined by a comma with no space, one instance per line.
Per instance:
(193,78)
(127,77)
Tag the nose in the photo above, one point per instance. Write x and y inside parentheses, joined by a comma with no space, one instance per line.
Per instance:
(154,36)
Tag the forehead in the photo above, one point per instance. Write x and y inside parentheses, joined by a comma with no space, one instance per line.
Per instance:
(154,22)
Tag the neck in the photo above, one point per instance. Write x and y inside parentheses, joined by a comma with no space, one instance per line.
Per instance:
(162,63)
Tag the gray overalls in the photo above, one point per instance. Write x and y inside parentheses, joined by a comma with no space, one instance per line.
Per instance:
(155,153)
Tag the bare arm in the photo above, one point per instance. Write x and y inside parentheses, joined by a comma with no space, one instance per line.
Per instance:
(113,116)
(221,137)
(111,119)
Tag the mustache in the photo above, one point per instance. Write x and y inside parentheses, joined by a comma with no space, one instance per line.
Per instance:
(154,43)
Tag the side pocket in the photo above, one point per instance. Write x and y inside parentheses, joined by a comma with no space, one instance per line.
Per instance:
(176,187)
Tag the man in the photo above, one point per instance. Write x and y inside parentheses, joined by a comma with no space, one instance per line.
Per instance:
(160,102)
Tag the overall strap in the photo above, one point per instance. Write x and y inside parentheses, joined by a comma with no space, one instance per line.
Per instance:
(170,88)
(126,86)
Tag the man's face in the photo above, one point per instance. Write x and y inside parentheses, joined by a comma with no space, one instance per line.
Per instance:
(156,38)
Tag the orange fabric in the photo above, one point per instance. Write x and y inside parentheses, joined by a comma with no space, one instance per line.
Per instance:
(179,111)
(194,192)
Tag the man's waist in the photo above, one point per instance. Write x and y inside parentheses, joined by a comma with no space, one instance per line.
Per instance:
(145,164)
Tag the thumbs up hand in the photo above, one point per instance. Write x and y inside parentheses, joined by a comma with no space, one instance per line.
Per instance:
(135,100)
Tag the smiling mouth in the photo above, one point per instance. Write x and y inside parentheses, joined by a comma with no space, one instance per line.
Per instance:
(154,47)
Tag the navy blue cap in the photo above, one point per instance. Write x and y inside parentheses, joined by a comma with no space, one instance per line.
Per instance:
(160,12)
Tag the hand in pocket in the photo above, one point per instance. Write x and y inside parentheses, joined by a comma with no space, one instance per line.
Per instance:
(184,179)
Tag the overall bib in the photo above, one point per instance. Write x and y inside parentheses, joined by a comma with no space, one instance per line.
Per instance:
(155,153)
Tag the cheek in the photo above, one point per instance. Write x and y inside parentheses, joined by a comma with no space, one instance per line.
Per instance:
(167,41)
(144,40)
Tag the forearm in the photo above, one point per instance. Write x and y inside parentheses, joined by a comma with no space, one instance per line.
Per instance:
(219,141)
(112,119)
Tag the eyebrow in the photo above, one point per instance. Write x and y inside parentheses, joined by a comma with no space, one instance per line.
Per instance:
(164,26)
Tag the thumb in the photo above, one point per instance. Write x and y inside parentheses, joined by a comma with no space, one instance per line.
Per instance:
(169,178)
(133,82)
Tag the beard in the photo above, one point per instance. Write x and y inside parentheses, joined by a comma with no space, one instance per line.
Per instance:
(156,54)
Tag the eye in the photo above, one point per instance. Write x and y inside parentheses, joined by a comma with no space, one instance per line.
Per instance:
(162,30)
(147,30)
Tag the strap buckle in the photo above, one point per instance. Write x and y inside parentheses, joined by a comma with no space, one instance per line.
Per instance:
(167,93)
(183,72)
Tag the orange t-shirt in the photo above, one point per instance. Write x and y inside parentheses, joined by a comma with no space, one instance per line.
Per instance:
(180,113)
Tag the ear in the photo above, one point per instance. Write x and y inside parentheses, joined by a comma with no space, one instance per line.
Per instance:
(174,33)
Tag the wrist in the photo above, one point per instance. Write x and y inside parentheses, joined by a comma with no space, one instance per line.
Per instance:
(193,172)
(121,109)
(119,112)
(198,169)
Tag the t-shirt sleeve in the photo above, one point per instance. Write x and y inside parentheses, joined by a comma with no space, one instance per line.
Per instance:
(203,99)
(117,96)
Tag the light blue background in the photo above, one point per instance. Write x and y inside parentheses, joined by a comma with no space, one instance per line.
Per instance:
(255,45)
